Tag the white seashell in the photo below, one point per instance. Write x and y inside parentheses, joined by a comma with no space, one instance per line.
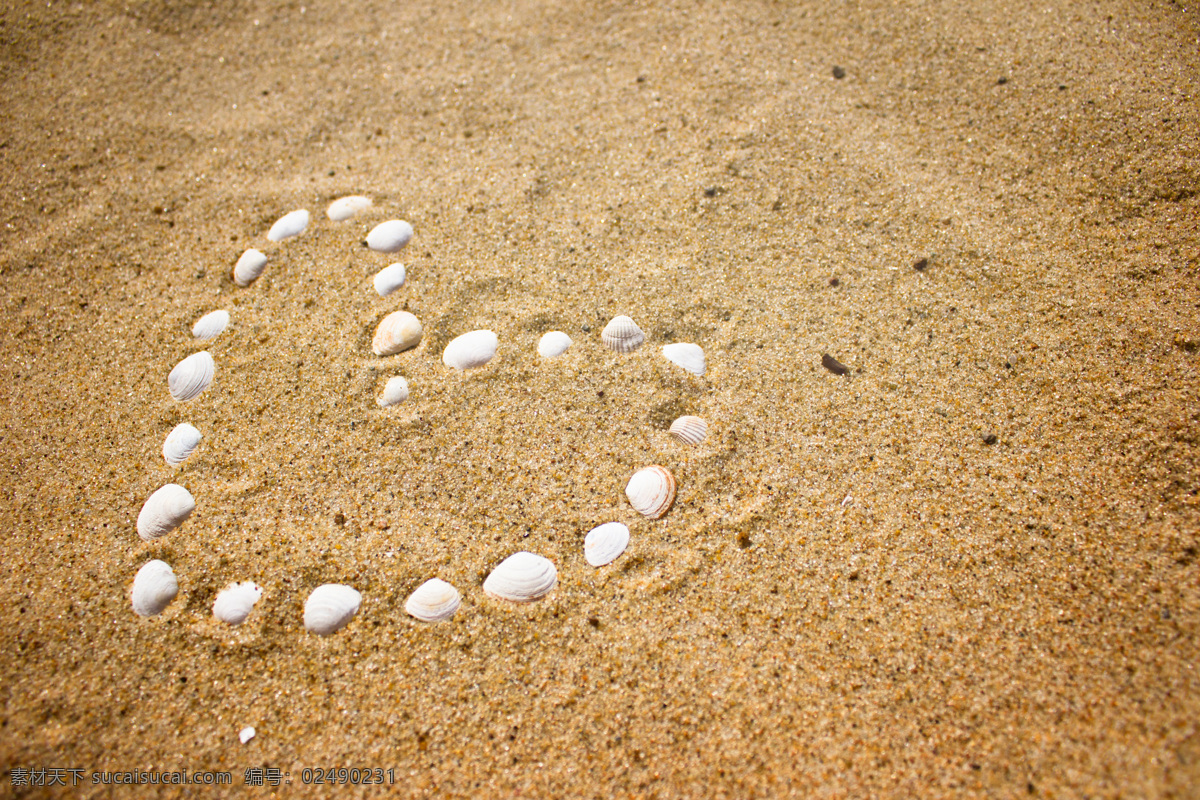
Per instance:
(389,279)
(472,349)
(210,325)
(288,225)
(651,491)
(191,376)
(396,391)
(522,578)
(605,543)
(154,587)
(330,608)
(688,356)
(249,267)
(346,207)
(236,601)
(554,343)
(622,334)
(164,511)
(397,332)
(689,430)
(180,443)
(433,601)
(390,236)
(246,734)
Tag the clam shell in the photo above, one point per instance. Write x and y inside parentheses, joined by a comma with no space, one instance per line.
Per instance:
(191,376)
(390,236)
(433,601)
(389,279)
(154,587)
(164,511)
(472,349)
(688,356)
(522,578)
(554,343)
(605,543)
(396,391)
(689,430)
(651,491)
(288,225)
(180,443)
(397,332)
(210,325)
(622,334)
(330,608)
(249,267)
(346,207)
(236,601)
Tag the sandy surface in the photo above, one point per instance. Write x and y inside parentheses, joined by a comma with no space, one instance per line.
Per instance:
(855,595)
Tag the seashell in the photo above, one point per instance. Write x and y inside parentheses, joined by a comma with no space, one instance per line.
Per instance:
(396,391)
(622,334)
(689,430)
(472,349)
(344,208)
(330,608)
(554,343)
(288,225)
(399,331)
(389,279)
(433,601)
(522,578)
(191,376)
(605,543)
(390,236)
(651,491)
(154,587)
(688,356)
(180,443)
(210,325)
(246,734)
(236,601)
(164,511)
(249,267)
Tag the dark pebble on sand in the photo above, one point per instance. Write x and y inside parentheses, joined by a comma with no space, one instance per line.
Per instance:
(833,365)
(921,265)
(989,438)
(839,73)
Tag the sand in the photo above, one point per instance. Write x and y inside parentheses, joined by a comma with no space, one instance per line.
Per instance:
(967,568)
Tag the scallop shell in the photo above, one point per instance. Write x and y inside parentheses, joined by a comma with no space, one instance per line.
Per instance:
(249,267)
(554,343)
(689,430)
(390,236)
(191,376)
(688,356)
(651,491)
(236,601)
(433,601)
(330,608)
(622,334)
(389,279)
(180,443)
(472,349)
(288,225)
(346,207)
(397,332)
(210,325)
(154,587)
(164,511)
(522,578)
(605,543)
(396,391)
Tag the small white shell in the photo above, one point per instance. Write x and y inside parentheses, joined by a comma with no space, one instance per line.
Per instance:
(605,543)
(689,430)
(164,511)
(249,267)
(688,356)
(330,608)
(651,491)
(472,349)
(191,376)
(522,578)
(154,587)
(390,236)
(622,334)
(180,443)
(246,734)
(396,391)
(236,601)
(554,343)
(389,279)
(433,601)
(210,325)
(288,225)
(346,207)
(397,332)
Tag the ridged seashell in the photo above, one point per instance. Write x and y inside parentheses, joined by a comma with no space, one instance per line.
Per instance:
(346,207)
(554,343)
(154,587)
(191,376)
(689,430)
(472,349)
(246,734)
(180,443)
(622,334)
(390,236)
(236,601)
(288,225)
(688,356)
(433,601)
(396,391)
(330,608)
(522,578)
(210,325)
(164,511)
(397,332)
(605,543)
(249,267)
(651,491)
(389,279)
